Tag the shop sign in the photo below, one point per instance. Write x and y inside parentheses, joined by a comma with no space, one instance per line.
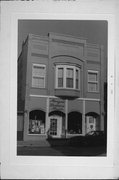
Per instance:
(56,104)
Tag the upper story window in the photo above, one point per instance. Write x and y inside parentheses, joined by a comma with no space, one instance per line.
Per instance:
(38,75)
(67,77)
(93,81)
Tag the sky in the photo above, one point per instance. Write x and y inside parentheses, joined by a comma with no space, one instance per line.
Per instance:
(94,31)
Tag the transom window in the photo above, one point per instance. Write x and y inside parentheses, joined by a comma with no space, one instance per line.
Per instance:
(67,77)
(93,82)
(38,75)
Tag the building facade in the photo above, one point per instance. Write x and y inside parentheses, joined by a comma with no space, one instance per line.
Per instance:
(60,87)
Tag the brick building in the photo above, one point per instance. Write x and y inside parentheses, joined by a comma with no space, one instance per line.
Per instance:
(60,87)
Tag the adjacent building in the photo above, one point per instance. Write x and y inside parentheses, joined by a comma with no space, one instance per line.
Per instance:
(60,87)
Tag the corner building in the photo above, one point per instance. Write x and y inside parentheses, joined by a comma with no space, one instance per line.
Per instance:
(60,87)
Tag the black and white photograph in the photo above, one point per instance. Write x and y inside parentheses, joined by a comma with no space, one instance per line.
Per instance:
(59,84)
(62,87)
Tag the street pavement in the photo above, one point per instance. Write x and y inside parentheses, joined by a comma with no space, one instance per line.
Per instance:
(61,151)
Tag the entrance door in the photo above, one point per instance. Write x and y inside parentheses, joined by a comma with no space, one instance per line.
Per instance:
(55,126)
(91,123)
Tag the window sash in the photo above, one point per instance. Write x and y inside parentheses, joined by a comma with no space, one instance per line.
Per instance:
(38,75)
(93,81)
(77,78)
(38,71)
(38,82)
(69,82)
(69,77)
(92,77)
(60,77)
(60,82)
(92,87)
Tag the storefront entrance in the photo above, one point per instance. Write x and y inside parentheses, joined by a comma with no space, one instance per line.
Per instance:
(55,126)
(91,123)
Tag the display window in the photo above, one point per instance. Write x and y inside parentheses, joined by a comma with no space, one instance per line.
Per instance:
(37,122)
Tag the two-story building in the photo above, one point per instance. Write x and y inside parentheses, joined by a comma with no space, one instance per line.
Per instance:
(60,87)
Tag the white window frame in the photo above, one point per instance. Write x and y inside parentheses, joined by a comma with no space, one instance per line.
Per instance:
(93,82)
(65,67)
(39,65)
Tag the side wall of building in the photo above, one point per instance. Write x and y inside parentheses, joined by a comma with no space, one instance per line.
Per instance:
(21,83)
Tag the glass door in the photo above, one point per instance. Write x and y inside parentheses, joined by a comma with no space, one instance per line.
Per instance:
(91,123)
(55,126)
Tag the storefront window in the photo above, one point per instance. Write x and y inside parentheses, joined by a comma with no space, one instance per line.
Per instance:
(74,123)
(37,122)
(36,127)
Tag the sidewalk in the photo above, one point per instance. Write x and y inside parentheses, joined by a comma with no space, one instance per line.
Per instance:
(43,143)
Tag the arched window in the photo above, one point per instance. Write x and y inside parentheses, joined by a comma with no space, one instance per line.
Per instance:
(37,122)
(75,123)
(92,122)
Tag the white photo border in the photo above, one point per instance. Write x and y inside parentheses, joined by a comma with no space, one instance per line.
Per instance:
(23,165)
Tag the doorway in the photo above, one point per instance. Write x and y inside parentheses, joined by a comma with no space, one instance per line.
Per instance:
(55,126)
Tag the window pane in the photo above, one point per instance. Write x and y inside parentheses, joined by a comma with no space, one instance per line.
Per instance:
(77,73)
(69,73)
(60,72)
(60,82)
(60,77)
(69,83)
(36,126)
(38,82)
(38,71)
(92,76)
(37,122)
(92,87)
(91,119)
(77,84)
(69,78)
(77,79)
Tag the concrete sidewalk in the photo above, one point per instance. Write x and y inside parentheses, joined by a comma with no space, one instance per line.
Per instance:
(43,143)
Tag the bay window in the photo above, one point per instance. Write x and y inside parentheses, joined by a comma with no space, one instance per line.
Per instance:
(67,77)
